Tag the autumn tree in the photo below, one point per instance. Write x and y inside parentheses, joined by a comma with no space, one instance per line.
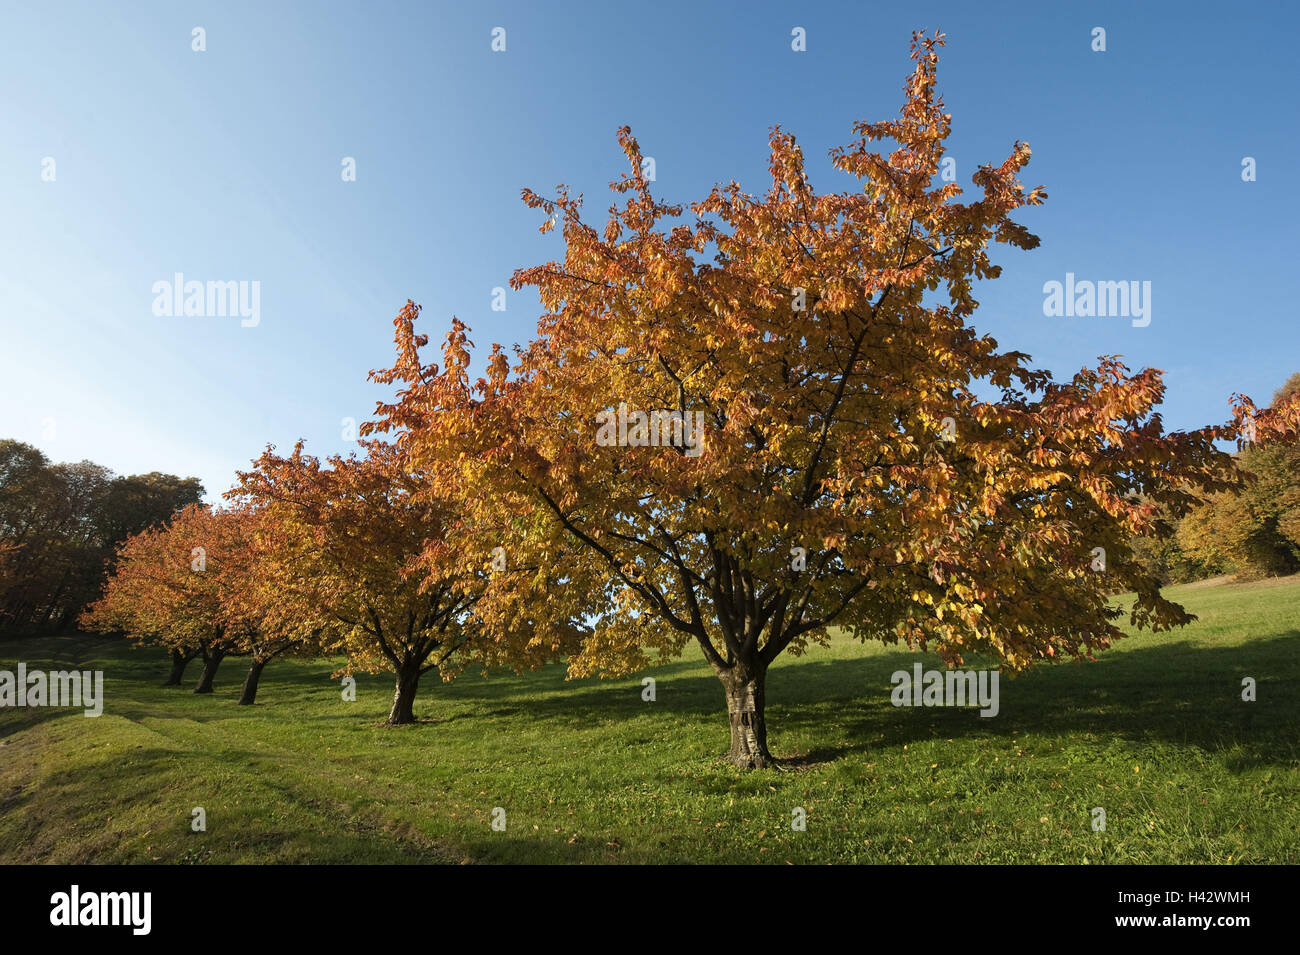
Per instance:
(62,523)
(171,586)
(265,632)
(48,515)
(1161,553)
(260,624)
(1252,530)
(8,553)
(745,453)
(348,533)
(134,502)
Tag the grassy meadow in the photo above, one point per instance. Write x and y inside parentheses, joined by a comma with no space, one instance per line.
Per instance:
(1155,733)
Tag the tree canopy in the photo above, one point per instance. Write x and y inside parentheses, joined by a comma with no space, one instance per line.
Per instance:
(847,471)
(61,523)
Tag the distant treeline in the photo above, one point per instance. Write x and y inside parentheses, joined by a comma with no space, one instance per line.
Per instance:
(1252,533)
(60,525)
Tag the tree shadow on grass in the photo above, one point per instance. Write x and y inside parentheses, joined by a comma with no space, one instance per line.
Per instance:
(1173,692)
(1168,689)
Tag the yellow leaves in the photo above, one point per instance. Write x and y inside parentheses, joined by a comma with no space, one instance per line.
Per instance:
(634,315)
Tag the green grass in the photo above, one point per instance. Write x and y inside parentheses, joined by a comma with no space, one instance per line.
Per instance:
(1155,733)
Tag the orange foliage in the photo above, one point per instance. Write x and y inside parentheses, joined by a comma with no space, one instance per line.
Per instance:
(825,340)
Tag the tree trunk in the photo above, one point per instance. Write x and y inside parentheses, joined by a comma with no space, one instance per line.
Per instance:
(746,698)
(249,694)
(210,663)
(53,604)
(408,681)
(179,662)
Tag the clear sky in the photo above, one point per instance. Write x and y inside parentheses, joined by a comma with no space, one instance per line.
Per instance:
(225,165)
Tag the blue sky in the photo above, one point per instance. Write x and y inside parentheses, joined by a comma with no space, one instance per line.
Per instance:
(225,165)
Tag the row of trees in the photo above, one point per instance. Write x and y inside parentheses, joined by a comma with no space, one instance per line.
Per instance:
(850,475)
(311,557)
(60,524)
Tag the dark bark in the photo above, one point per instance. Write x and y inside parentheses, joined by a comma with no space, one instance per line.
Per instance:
(249,694)
(179,662)
(211,661)
(408,682)
(54,601)
(745,691)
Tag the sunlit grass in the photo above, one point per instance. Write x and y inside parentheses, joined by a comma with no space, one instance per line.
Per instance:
(1155,733)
